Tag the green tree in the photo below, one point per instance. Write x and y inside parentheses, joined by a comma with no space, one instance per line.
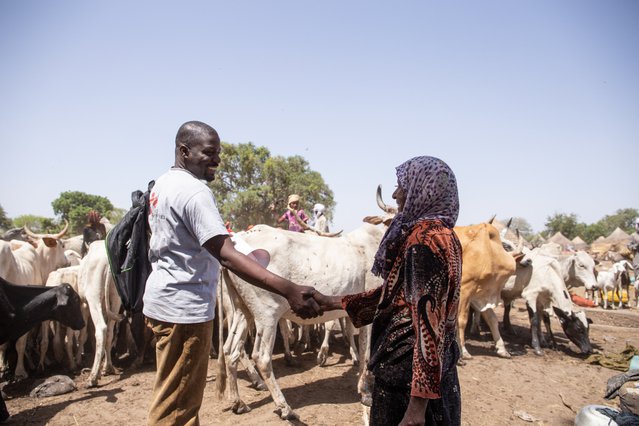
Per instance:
(567,224)
(75,205)
(38,224)
(252,187)
(622,218)
(116,215)
(5,222)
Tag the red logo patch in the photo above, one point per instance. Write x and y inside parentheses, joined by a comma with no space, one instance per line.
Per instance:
(153,200)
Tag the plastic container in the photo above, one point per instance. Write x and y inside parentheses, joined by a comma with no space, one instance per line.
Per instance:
(634,363)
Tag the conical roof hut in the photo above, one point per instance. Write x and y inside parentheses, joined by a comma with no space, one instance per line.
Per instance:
(618,236)
(560,239)
(616,242)
(579,244)
(599,239)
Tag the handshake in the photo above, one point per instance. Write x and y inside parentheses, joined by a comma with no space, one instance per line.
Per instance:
(309,303)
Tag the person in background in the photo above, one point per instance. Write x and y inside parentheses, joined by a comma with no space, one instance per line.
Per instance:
(94,230)
(414,352)
(320,223)
(189,243)
(291,212)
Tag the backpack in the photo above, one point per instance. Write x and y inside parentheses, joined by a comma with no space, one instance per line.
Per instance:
(127,246)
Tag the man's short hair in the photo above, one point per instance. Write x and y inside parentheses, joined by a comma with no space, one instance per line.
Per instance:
(192,132)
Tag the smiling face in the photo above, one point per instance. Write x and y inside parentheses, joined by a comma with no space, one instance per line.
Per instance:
(202,156)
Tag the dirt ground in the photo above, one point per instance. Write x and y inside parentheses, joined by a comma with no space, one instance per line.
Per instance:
(546,390)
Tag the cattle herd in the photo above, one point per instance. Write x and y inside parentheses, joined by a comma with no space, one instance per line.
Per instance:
(48,291)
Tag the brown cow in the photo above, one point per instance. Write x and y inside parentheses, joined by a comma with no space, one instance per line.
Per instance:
(486,267)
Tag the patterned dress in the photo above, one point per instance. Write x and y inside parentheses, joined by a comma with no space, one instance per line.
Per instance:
(414,317)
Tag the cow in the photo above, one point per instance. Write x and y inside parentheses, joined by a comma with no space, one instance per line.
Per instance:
(24,306)
(97,288)
(578,270)
(486,266)
(611,280)
(74,243)
(23,264)
(335,266)
(67,275)
(73,257)
(539,280)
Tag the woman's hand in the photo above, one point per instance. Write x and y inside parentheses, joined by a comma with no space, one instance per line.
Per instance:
(416,412)
(327,303)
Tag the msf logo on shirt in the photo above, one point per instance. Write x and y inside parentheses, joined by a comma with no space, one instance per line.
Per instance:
(153,200)
(153,203)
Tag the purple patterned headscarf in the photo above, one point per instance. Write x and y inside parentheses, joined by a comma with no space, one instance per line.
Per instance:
(431,193)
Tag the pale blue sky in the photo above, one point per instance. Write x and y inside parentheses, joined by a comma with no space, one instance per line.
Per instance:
(534,104)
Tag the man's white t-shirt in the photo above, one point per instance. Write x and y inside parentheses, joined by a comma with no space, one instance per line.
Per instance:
(183,281)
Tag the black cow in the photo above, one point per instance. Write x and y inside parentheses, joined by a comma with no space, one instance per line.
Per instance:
(24,306)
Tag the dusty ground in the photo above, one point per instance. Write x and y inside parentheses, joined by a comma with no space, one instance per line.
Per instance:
(495,391)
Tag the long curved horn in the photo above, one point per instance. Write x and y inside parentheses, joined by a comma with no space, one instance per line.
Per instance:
(520,246)
(308,228)
(382,205)
(30,233)
(64,231)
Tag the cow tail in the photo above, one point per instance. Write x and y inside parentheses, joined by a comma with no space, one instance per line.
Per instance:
(220,381)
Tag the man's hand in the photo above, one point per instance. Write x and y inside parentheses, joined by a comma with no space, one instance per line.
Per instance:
(301,300)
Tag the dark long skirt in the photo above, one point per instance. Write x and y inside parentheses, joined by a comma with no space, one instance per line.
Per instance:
(390,402)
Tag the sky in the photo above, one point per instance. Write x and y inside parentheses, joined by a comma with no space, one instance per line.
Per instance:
(533,104)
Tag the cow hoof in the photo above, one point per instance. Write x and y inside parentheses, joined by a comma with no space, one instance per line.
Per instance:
(538,352)
(366,400)
(239,407)
(504,354)
(321,358)
(466,355)
(290,361)
(258,386)
(287,414)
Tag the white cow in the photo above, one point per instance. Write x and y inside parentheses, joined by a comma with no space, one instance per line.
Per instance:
(74,243)
(22,264)
(335,266)
(539,281)
(73,257)
(97,289)
(578,270)
(67,275)
(611,280)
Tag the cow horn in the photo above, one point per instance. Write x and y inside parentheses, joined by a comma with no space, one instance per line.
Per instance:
(61,233)
(30,233)
(327,234)
(490,221)
(380,202)
(520,246)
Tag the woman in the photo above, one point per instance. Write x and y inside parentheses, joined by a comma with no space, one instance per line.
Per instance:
(414,313)
(289,215)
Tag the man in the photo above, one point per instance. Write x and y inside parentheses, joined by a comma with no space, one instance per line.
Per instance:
(320,223)
(188,244)
(94,230)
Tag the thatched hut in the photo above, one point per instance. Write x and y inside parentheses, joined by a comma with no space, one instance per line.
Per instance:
(614,246)
(579,244)
(562,240)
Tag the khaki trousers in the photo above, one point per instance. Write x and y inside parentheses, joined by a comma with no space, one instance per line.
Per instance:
(182,354)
